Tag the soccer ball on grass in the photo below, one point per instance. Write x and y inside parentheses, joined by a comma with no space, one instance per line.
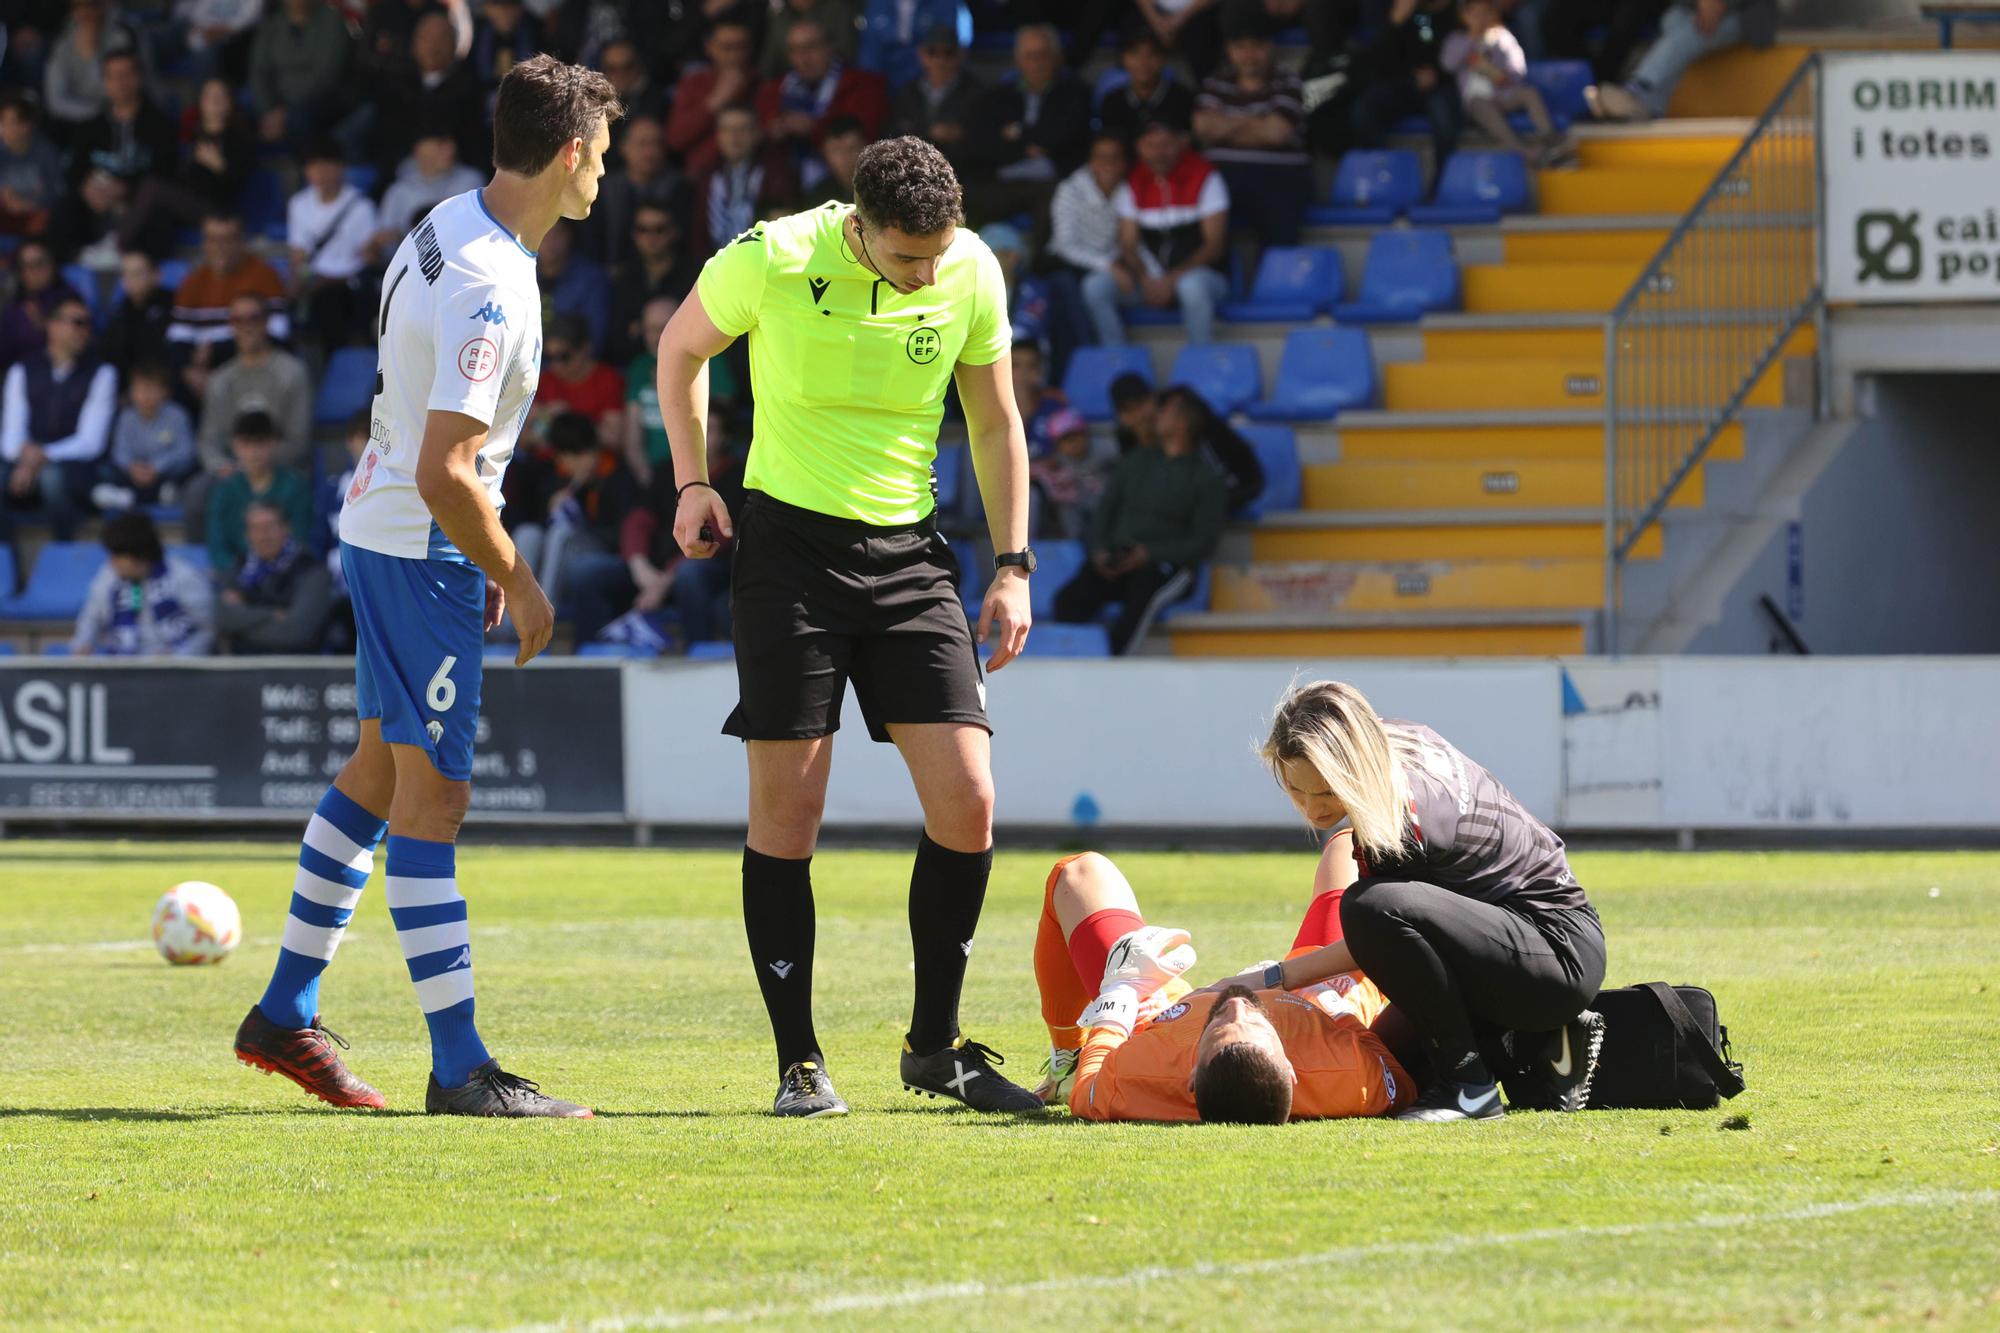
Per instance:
(196,922)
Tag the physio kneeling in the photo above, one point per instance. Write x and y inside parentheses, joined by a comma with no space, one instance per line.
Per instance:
(1465,912)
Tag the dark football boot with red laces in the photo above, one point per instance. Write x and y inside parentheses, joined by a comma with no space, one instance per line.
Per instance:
(306,1057)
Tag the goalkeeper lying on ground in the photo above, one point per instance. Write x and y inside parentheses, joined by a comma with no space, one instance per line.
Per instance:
(1132,1041)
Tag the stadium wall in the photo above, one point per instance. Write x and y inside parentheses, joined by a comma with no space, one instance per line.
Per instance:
(1157,747)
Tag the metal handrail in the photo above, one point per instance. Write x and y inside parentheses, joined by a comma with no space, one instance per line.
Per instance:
(1706,318)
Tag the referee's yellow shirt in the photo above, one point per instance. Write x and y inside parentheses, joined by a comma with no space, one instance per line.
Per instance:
(849,375)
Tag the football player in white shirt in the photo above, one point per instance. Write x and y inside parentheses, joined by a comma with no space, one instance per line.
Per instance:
(430,570)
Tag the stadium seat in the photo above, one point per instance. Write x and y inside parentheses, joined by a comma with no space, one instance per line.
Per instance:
(54,650)
(262,206)
(1051,638)
(6,648)
(347,387)
(1056,563)
(1408,274)
(1477,187)
(627,650)
(1087,384)
(57,583)
(192,553)
(499,652)
(971,588)
(87,286)
(1294,283)
(1278,452)
(1561,84)
(173,272)
(712,650)
(362,176)
(1196,599)
(949,470)
(1224,374)
(8,574)
(1371,188)
(1322,371)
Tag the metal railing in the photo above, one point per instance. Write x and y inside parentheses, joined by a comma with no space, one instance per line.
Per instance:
(1707,318)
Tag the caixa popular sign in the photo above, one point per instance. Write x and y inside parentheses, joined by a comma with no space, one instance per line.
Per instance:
(255,739)
(1908,144)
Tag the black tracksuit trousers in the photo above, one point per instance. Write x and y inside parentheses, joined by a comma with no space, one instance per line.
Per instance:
(1460,973)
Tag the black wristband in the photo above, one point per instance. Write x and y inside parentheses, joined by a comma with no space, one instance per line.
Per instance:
(690,486)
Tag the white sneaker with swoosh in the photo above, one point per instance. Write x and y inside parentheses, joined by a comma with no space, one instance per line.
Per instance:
(1456,1101)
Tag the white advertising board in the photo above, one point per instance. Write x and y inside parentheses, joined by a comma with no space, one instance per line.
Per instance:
(1136,743)
(1910,149)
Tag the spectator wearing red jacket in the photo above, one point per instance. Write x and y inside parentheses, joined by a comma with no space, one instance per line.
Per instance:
(705,91)
(817,89)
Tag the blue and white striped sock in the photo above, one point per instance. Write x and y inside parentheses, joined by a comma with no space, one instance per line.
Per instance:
(431,926)
(334,862)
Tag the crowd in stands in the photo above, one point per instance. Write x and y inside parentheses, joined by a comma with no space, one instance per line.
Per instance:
(197,198)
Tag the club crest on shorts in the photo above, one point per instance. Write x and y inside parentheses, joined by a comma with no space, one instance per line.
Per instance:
(434,730)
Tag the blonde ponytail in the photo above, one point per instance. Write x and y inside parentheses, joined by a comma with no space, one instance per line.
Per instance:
(1331,727)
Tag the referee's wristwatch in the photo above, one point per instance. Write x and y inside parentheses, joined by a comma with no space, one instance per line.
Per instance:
(1023,559)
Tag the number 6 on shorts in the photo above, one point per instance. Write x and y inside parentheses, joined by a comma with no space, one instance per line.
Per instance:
(442,692)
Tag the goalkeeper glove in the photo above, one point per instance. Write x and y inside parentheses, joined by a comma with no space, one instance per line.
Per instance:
(1147,959)
(1116,1007)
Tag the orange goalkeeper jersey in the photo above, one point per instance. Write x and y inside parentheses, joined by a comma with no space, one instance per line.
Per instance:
(1343,1068)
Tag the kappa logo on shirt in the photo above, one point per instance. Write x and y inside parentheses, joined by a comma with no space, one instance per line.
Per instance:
(491,313)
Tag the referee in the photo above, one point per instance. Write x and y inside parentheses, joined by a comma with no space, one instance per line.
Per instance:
(858,316)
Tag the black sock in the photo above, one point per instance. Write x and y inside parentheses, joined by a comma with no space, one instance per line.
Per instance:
(778,918)
(947,890)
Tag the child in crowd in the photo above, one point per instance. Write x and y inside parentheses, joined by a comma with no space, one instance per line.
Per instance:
(144,603)
(152,446)
(1069,478)
(1492,75)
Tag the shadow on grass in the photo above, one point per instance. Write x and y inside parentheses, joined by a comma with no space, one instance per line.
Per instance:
(143,1114)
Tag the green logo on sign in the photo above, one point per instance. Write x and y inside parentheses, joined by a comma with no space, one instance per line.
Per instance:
(1888,247)
(924,345)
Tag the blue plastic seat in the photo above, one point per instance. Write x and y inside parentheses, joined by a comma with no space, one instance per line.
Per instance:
(362,176)
(499,652)
(949,469)
(191,554)
(1322,372)
(1087,383)
(712,650)
(262,206)
(7,572)
(971,587)
(173,272)
(57,583)
(87,286)
(1056,563)
(1226,375)
(1477,187)
(1278,452)
(625,650)
(6,648)
(1196,599)
(1561,84)
(347,387)
(1051,638)
(1294,283)
(1407,275)
(1370,188)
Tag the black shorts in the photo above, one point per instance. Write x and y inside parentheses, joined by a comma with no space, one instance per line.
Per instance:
(818,601)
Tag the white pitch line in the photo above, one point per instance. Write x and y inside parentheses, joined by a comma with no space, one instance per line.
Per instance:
(862,1301)
(262,941)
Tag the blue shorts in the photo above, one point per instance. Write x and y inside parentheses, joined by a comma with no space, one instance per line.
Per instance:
(420,636)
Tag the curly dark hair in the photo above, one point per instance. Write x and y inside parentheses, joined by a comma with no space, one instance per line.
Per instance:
(907,184)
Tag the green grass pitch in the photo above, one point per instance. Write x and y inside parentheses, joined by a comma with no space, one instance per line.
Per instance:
(148,1181)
